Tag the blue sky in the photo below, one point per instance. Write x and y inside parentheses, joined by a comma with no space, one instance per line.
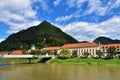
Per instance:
(82,19)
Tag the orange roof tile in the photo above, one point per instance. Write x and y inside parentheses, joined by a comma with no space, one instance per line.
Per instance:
(17,52)
(52,48)
(109,45)
(80,45)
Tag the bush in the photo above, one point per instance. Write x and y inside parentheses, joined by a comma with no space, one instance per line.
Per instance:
(65,53)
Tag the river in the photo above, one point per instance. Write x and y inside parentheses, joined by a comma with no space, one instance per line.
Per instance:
(59,72)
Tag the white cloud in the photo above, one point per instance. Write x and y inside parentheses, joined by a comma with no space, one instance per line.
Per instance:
(75,3)
(64,18)
(90,31)
(43,5)
(68,17)
(94,6)
(1,40)
(97,6)
(116,4)
(18,14)
(57,2)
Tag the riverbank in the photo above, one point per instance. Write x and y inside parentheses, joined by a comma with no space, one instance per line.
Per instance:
(88,61)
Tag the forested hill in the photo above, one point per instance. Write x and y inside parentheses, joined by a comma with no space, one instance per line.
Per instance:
(44,34)
(106,40)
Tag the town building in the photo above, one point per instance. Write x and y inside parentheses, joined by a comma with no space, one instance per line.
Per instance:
(104,48)
(54,49)
(17,52)
(89,47)
(81,48)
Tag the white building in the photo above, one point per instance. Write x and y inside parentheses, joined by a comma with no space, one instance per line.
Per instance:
(81,48)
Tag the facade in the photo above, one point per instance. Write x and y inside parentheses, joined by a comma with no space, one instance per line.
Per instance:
(104,48)
(81,48)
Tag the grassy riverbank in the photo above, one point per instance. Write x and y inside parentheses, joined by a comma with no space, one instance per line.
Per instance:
(17,60)
(88,61)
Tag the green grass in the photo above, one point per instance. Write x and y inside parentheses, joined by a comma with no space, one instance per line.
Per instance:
(88,61)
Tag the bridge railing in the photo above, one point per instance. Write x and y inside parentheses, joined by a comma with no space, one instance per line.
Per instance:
(25,56)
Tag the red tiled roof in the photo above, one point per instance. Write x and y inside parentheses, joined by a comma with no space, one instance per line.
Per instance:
(109,45)
(80,45)
(17,52)
(52,48)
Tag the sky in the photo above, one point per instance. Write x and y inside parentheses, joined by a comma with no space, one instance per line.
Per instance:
(84,20)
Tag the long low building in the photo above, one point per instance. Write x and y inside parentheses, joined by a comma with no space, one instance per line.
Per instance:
(81,48)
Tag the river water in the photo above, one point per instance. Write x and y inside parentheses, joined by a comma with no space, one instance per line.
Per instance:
(59,72)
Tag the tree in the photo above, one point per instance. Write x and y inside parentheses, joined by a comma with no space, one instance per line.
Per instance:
(112,51)
(85,54)
(65,53)
(74,54)
(99,53)
(35,52)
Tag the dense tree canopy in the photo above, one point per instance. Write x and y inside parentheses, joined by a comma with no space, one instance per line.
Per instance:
(112,51)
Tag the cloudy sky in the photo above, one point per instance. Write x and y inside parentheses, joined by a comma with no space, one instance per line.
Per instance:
(82,19)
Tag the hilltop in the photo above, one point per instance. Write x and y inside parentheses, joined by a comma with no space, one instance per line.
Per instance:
(44,34)
(106,40)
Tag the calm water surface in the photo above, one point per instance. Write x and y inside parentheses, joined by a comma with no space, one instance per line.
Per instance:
(59,72)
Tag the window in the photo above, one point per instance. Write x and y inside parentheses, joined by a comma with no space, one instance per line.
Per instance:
(90,49)
(118,49)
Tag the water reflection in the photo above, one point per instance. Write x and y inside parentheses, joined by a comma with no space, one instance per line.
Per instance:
(59,72)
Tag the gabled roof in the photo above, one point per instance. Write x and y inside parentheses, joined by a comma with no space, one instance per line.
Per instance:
(52,48)
(80,45)
(109,45)
(17,52)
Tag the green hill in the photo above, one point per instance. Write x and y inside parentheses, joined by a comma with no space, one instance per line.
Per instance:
(44,34)
(106,40)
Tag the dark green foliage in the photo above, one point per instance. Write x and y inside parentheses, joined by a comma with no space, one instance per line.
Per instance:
(105,40)
(41,35)
(99,53)
(85,54)
(74,54)
(35,52)
(112,51)
(44,52)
